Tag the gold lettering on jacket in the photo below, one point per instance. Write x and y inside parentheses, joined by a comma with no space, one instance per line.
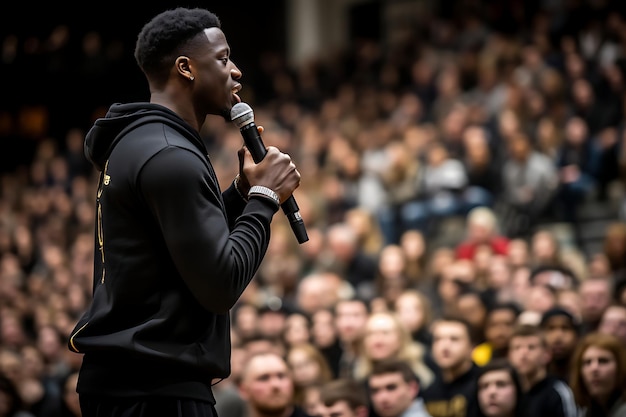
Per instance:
(454,407)
(106,180)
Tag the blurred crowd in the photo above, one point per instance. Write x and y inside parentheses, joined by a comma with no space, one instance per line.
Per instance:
(438,168)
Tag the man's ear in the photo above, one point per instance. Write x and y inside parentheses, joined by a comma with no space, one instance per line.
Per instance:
(183,67)
(242,391)
(415,388)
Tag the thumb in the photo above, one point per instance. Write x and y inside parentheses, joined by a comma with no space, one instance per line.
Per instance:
(247,156)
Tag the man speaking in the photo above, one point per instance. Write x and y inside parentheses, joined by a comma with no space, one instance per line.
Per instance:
(172,252)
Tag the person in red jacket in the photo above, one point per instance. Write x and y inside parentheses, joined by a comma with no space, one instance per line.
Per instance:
(482,230)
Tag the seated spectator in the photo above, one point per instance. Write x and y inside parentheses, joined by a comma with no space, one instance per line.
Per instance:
(613,321)
(528,186)
(545,249)
(351,316)
(413,310)
(308,367)
(595,297)
(394,390)
(544,394)
(499,326)
(324,336)
(344,398)
(297,329)
(499,390)
(453,392)
(267,387)
(11,404)
(481,168)
(473,305)
(561,331)
(386,338)
(482,229)
(599,376)
(444,180)
(578,165)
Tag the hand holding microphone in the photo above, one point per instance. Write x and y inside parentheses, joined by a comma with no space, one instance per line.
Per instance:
(243,117)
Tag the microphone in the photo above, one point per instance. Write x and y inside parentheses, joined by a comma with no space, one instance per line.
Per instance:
(243,117)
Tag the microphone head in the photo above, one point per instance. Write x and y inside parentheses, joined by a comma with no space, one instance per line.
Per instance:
(241,114)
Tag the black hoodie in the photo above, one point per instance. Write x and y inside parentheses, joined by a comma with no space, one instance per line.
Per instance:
(172,256)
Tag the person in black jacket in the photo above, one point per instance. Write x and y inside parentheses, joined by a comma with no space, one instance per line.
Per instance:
(545,395)
(453,392)
(173,253)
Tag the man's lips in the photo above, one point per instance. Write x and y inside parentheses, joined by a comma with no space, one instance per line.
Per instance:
(236,89)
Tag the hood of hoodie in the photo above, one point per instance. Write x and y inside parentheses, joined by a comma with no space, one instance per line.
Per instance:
(105,132)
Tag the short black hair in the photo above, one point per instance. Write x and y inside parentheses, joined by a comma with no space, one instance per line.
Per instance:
(164,37)
(506,305)
(560,312)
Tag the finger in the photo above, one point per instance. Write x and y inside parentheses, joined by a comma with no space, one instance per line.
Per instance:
(261,129)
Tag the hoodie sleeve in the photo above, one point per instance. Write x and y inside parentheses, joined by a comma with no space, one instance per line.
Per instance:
(215,262)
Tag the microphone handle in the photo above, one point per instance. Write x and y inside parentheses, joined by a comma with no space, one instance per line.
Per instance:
(255,145)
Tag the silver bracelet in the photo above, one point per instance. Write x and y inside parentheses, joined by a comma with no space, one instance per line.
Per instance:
(264,191)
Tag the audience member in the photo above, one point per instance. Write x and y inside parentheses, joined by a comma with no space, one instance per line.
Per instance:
(561,331)
(308,367)
(499,390)
(595,297)
(386,338)
(413,310)
(544,394)
(344,398)
(267,387)
(394,390)
(599,376)
(482,229)
(613,322)
(350,319)
(452,393)
(499,326)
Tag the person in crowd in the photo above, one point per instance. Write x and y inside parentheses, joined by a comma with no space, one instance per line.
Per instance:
(173,253)
(297,329)
(351,315)
(613,321)
(528,185)
(544,394)
(70,405)
(599,376)
(473,305)
(267,387)
(308,367)
(343,397)
(561,331)
(394,390)
(413,244)
(482,229)
(596,294)
(578,163)
(413,309)
(345,256)
(324,336)
(385,338)
(452,393)
(11,404)
(499,326)
(499,390)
